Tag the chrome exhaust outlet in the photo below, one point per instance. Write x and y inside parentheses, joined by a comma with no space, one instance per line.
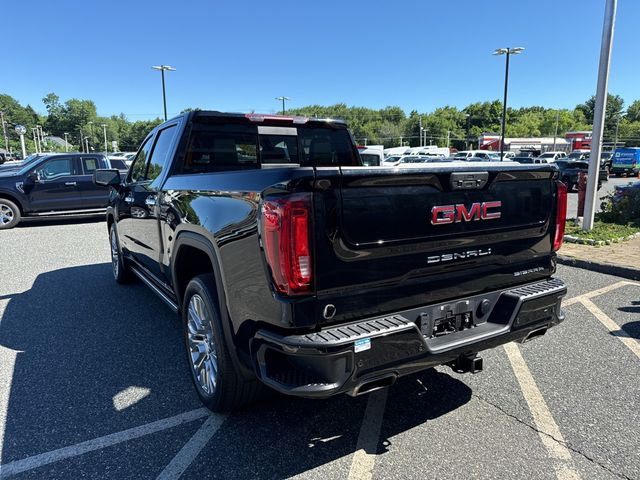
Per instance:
(538,332)
(369,386)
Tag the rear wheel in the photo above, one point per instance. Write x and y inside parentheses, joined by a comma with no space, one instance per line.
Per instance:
(9,214)
(219,384)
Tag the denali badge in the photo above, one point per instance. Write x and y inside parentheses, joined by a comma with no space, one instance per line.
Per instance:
(447,257)
(443,214)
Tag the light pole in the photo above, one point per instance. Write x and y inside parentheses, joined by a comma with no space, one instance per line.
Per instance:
(35,139)
(104,129)
(162,69)
(283,98)
(66,142)
(507,52)
(4,132)
(81,138)
(599,113)
(86,141)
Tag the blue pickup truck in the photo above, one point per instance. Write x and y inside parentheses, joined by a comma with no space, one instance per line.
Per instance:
(51,184)
(626,161)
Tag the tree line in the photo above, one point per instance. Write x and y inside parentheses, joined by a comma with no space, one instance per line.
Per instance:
(387,126)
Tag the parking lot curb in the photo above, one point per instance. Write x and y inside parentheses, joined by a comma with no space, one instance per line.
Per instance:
(601,267)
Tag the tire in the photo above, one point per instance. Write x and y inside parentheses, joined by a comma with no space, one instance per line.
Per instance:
(121,271)
(218,382)
(9,214)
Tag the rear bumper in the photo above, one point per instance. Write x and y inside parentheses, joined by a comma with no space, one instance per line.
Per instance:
(350,358)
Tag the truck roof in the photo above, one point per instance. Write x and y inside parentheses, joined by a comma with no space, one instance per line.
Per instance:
(262,118)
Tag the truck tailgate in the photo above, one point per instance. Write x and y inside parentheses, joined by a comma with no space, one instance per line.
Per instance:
(388,239)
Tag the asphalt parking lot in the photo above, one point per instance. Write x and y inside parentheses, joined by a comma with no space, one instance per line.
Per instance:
(94,384)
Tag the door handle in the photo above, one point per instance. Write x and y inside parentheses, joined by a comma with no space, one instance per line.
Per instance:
(70,184)
(150,201)
(128,199)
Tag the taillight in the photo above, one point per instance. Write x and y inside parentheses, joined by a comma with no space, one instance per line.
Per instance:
(286,237)
(561,215)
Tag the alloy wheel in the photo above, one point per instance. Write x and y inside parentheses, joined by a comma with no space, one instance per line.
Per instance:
(202,349)
(115,254)
(6,214)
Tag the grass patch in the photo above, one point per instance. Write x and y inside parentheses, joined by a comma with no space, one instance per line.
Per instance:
(602,231)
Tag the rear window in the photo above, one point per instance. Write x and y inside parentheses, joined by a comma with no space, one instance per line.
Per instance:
(119,164)
(220,148)
(326,147)
(216,148)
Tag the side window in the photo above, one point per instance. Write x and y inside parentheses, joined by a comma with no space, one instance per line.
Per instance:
(139,167)
(89,165)
(55,168)
(164,139)
(221,148)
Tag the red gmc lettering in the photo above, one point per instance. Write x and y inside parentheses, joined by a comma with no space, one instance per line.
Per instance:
(447,212)
(474,213)
(493,215)
(444,214)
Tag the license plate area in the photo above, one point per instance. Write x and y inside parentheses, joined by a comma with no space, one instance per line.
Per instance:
(449,319)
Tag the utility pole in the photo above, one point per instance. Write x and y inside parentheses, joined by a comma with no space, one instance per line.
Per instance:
(86,140)
(615,142)
(66,142)
(555,135)
(448,137)
(283,98)
(599,112)
(104,129)
(4,132)
(401,140)
(421,130)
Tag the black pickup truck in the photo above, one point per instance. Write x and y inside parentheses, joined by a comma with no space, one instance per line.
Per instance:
(292,265)
(51,184)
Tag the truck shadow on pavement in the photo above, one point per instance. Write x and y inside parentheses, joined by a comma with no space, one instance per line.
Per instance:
(94,358)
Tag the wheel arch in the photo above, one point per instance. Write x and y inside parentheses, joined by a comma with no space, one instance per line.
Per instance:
(199,245)
(14,199)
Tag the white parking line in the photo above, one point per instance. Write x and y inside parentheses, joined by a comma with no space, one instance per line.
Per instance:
(364,458)
(192,448)
(42,459)
(8,360)
(548,429)
(600,291)
(612,326)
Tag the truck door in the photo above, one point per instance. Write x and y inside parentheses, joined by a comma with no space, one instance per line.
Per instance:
(56,185)
(138,225)
(93,196)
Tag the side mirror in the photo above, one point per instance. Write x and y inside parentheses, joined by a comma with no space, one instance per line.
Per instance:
(31,179)
(106,177)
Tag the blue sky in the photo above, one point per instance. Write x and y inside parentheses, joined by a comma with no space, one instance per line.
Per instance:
(239,55)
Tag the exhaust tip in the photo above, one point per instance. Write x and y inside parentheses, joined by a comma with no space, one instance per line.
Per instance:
(373,385)
(539,332)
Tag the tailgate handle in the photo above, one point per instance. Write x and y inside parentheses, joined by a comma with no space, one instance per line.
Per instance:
(469,180)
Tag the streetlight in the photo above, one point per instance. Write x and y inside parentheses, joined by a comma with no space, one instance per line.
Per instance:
(507,52)
(104,129)
(162,69)
(66,142)
(283,98)
(81,139)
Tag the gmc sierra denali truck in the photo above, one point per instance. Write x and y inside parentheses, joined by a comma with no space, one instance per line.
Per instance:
(291,265)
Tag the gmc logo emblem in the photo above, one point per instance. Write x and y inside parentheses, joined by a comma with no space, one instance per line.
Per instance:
(443,214)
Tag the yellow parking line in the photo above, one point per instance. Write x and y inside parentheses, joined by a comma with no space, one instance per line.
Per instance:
(364,458)
(548,429)
(612,326)
(600,291)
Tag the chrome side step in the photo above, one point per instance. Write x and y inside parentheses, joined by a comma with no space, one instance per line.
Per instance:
(67,212)
(163,296)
